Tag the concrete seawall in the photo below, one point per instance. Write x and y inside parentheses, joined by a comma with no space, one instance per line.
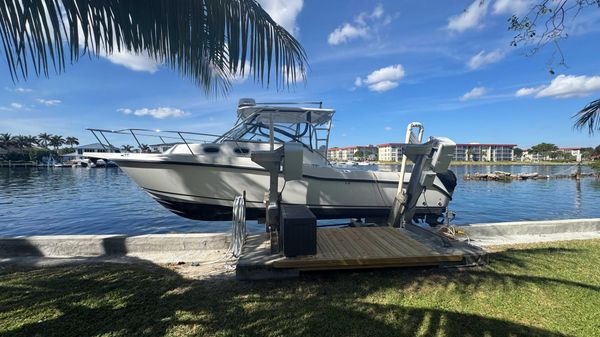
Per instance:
(171,248)
(532,231)
(154,247)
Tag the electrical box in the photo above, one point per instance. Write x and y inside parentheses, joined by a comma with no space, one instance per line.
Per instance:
(298,230)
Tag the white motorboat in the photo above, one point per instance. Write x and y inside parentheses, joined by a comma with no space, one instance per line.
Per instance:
(199,180)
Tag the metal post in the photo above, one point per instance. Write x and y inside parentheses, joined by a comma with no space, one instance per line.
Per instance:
(271,132)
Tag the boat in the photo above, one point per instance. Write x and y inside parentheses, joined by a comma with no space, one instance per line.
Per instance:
(200,176)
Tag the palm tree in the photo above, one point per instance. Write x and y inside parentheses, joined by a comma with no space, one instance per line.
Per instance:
(31,141)
(210,42)
(57,141)
(589,117)
(44,139)
(71,141)
(127,148)
(144,148)
(6,140)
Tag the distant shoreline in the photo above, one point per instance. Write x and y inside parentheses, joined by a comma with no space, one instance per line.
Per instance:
(485,163)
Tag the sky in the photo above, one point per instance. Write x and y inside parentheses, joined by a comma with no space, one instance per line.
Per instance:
(379,64)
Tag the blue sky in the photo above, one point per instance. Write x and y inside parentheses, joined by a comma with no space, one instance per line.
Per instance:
(380,64)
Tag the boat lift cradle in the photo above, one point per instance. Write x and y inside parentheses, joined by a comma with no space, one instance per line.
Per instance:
(428,159)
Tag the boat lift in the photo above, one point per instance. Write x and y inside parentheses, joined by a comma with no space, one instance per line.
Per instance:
(427,159)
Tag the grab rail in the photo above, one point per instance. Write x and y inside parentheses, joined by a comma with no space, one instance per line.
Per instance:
(160,134)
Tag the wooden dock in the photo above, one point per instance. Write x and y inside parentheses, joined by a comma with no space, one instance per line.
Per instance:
(356,248)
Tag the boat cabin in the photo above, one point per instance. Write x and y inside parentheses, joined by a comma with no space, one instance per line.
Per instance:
(281,123)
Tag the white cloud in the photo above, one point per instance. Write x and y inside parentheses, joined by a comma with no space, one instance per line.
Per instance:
(389,73)
(132,61)
(469,18)
(160,112)
(564,86)
(49,102)
(378,12)
(23,90)
(284,12)
(347,32)
(474,93)
(16,105)
(383,86)
(482,58)
(518,7)
(365,25)
(527,91)
(388,128)
(382,79)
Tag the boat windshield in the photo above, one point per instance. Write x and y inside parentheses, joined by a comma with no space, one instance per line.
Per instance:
(288,126)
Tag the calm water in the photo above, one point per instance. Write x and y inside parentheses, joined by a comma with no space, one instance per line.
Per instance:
(94,201)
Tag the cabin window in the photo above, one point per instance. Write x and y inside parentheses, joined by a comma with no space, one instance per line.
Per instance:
(241,150)
(211,149)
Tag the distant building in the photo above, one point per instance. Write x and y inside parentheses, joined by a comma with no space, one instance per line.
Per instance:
(573,151)
(484,152)
(77,154)
(528,155)
(355,152)
(390,152)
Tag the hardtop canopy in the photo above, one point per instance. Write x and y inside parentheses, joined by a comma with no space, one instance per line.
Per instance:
(284,114)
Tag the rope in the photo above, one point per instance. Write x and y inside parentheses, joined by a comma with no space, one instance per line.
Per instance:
(238,230)
(238,236)
(452,232)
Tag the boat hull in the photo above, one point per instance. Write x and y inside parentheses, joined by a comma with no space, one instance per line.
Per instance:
(205,191)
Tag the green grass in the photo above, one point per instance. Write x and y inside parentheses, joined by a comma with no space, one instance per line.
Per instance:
(536,290)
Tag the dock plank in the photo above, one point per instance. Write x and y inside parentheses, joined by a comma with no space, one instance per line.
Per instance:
(366,247)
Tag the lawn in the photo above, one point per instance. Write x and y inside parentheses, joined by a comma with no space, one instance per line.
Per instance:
(550,289)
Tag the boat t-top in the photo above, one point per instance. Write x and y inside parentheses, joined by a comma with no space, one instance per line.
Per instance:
(199,175)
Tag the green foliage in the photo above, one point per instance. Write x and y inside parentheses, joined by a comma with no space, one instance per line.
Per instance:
(518,152)
(595,165)
(358,154)
(544,148)
(37,154)
(211,42)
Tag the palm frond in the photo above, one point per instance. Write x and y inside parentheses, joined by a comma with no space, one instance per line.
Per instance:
(589,117)
(207,41)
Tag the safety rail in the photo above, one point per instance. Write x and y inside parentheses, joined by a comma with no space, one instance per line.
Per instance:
(181,137)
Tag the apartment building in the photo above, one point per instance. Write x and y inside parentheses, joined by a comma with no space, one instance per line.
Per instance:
(484,152)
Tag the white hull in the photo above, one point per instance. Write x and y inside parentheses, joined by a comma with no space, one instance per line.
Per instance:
(204,186)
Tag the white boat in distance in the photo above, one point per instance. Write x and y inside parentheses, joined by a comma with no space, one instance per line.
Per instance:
(199,180)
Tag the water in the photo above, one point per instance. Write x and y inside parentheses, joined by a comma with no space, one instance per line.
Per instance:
(105,201)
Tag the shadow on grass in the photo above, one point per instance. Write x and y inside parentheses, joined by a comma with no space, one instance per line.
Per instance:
(147,300)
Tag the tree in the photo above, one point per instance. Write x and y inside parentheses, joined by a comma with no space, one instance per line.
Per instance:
(518,152)
(44,139)
(545,149)
(56,141)
(358,154)
(551,16)
(145,148)
(127,148)
(71,141)
(211,42)
(597,150)
(6,140)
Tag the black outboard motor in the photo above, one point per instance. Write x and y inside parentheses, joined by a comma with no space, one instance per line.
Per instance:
(448,179)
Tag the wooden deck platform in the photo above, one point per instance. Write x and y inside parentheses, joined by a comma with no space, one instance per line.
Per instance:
(355,248)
